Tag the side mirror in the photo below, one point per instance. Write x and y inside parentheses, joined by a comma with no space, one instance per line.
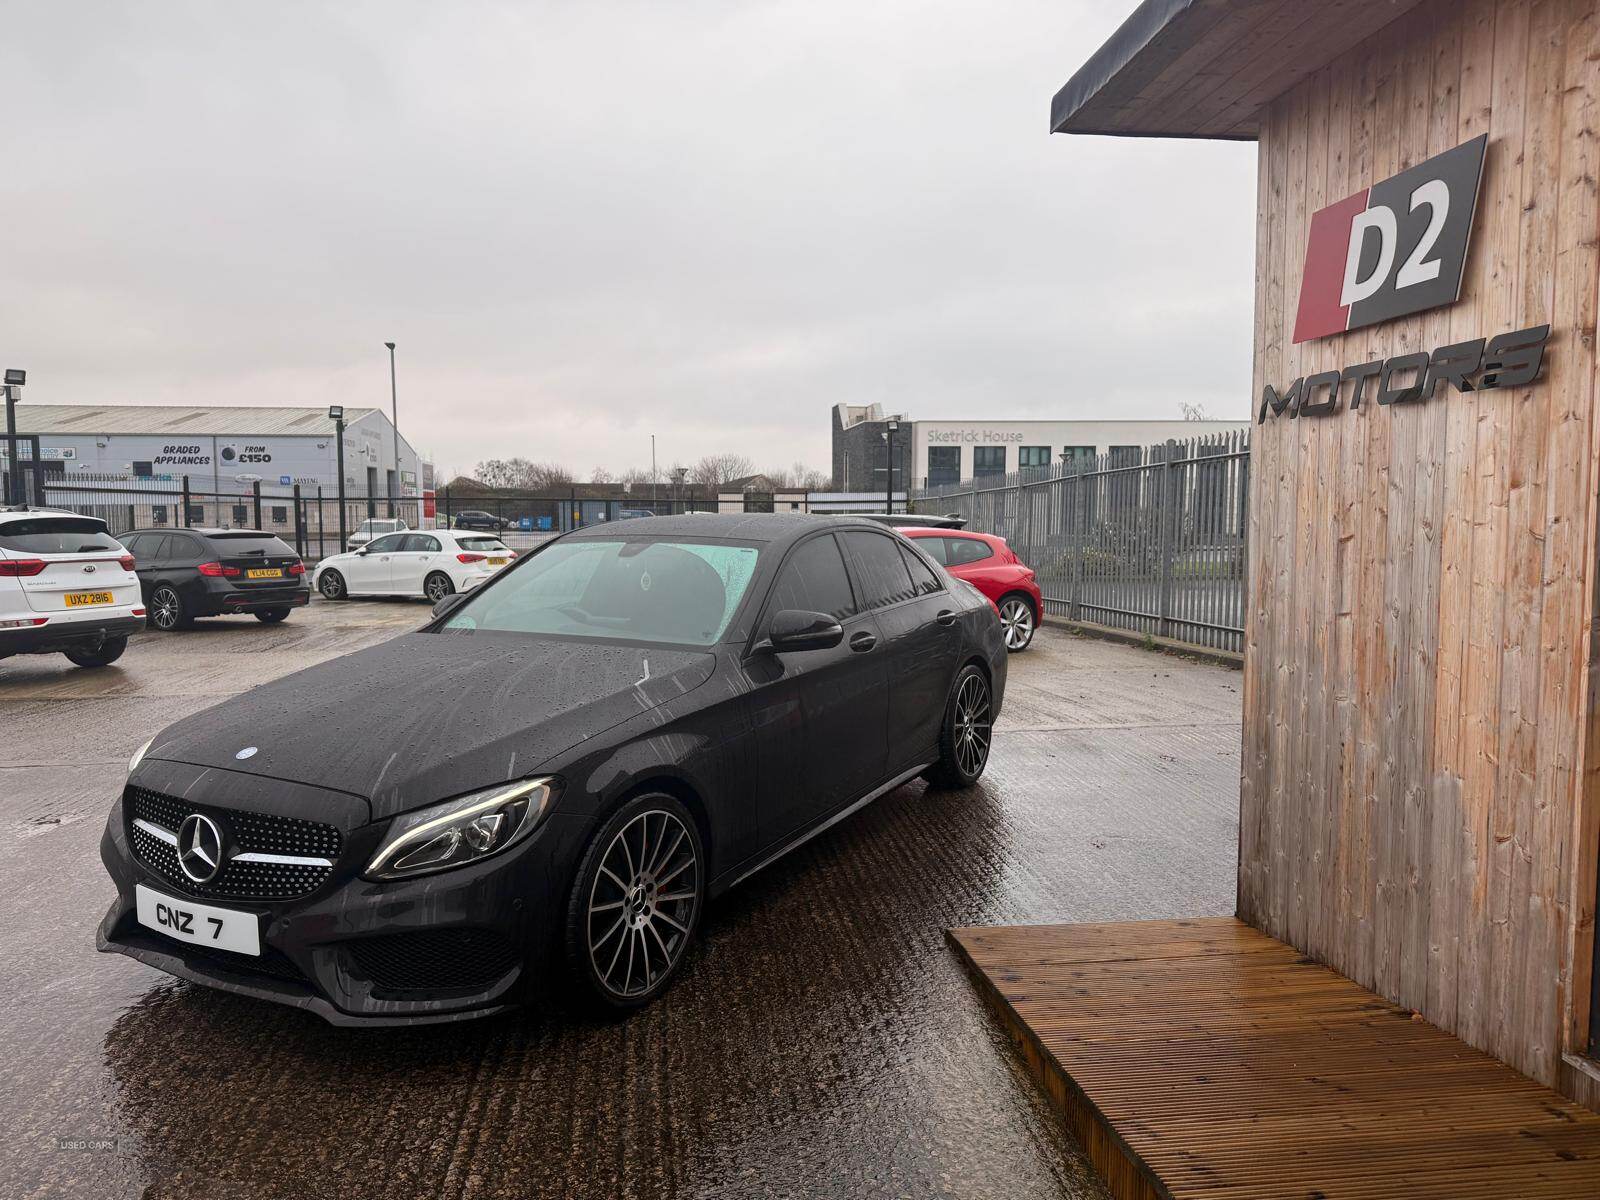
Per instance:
(794,629)
(449,604)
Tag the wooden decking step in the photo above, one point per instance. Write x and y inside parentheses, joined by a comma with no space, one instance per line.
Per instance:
(1202,1058)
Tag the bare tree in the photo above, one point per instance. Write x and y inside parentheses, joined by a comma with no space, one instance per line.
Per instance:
(798,475)
(521,474)
(601,475)
(1193,412)
(716,469)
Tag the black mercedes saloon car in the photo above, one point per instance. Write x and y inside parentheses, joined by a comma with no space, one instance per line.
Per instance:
(189,573)
(548,782)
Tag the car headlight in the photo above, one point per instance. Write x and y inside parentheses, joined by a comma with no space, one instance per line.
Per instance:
(462,830)
(138,756)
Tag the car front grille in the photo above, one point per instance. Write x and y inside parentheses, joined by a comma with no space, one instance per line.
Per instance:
(401,965)
(267,857)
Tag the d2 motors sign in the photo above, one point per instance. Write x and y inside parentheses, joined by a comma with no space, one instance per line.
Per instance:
(1396,248)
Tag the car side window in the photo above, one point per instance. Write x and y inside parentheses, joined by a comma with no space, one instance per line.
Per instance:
(922,575)
(880,569)
(132,542)
(813,579)
(967,550)
(179,547)
(420,543)
(387,545)
(935,548)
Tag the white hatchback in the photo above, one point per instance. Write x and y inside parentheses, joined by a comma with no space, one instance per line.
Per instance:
(430,563)
(66,586)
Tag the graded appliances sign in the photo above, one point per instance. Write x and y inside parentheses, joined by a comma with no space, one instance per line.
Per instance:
(1396,248)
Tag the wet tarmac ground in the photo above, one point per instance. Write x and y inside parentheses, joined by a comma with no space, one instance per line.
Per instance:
(823,1041)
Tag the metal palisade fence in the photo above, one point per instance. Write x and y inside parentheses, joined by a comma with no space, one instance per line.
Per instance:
(1150,540)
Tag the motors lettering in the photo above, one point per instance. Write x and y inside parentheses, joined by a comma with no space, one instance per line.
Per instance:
(1510,360)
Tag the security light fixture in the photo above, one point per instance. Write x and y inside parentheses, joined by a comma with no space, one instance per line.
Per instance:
(335,412)
(15,377)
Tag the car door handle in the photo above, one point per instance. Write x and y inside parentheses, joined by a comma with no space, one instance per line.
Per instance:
(945,617)
(862,642)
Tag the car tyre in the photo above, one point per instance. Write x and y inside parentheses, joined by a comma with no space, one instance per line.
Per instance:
(967,731)
(1017,622)
(331,584)
(103,655)
(635,904)
(271,616)
(437,586)
(166,611)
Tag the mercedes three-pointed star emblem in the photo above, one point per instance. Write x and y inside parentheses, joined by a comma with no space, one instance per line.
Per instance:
(199,848)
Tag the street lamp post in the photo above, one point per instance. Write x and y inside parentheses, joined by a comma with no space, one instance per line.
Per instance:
(14,379)
(394,424)
(336,415)
(888,499)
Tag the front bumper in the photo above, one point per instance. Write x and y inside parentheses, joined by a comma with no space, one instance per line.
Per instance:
(61,633)
(479,938)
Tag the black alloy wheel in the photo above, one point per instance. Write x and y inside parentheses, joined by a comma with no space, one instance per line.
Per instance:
(166,609)
(967,732)
(636,903)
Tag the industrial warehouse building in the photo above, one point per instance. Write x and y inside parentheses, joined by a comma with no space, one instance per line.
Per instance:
(936,453)
(220,449)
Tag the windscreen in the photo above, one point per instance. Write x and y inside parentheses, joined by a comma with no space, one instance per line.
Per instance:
(683,592)
(57,535)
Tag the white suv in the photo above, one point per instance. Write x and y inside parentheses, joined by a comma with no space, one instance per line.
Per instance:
(67,586)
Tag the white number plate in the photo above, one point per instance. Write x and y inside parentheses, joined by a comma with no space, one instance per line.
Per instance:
(224,928)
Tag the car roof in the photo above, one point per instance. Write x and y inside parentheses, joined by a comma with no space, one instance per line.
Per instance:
(775,528)
(23,512)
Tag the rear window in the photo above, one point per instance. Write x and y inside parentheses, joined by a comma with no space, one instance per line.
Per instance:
(236,545)
(483,545)
(57,535)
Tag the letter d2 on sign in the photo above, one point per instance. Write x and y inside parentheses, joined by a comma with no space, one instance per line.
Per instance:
(1399,247)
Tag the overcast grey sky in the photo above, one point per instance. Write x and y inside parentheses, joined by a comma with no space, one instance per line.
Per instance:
(587,223)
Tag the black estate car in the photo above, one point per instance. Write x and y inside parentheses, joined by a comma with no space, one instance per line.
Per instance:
(551,779)
(189,573)
(476,518)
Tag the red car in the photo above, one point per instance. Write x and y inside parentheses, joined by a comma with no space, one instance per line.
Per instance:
(991,566)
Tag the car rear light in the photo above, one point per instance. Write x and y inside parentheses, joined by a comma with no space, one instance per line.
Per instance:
(468,558)
(297,568)
(138,612)
(127,562)
(215,569)
(25,623)
(21,568)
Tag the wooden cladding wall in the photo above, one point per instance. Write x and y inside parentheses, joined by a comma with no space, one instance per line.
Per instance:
(1413,805)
